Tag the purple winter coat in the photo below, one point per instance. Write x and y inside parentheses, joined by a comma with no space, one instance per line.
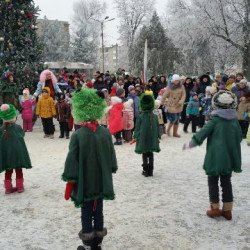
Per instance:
(27,112)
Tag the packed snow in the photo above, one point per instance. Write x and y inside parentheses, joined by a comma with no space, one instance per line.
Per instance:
(163,212)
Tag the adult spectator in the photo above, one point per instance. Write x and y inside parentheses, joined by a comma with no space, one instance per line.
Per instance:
(130,82)
(176,94)
(204,82)
(99,83)
(161,84)
(47,79)
(188,85)
(240,89)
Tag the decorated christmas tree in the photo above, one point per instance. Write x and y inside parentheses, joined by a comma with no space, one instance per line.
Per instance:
(20,49)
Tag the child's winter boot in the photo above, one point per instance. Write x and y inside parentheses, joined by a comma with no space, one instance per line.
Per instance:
(215,210)
(8,187)
(67,135)
(61,134)
(227,210)
(150,170)
(19,185)
(145,170)
(87,240)
(99,235)
(118,142)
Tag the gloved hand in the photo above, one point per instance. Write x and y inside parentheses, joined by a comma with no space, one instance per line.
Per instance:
(68,190)
(133,141)
(188,145)
(248,144)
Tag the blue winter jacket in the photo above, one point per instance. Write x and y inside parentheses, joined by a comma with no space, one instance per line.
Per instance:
(136,100)
(193,107)
(206,103)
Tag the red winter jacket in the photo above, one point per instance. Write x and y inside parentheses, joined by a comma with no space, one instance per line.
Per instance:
(115,119)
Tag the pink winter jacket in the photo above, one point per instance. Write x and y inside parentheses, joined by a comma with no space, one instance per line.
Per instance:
(128,119)
(27,112)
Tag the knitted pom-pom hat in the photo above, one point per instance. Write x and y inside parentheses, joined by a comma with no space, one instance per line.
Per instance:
(147,102)
(88,105)
(8,113)
(224,100)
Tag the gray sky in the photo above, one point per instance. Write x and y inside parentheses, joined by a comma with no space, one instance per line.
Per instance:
(63,10)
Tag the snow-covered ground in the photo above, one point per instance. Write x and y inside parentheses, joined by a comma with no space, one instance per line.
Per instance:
(163,212)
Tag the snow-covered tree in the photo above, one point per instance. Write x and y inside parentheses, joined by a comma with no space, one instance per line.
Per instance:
(84,48)
(88,14)
(55,41)
(223,24)
(133,14)
(162,54)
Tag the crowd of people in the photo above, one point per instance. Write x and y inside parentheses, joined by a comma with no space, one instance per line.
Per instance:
(180,99)
(133,112)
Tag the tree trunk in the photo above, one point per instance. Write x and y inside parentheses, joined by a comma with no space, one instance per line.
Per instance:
(246,62)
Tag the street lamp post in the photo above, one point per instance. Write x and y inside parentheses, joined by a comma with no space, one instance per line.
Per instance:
(102,46)
(102,35)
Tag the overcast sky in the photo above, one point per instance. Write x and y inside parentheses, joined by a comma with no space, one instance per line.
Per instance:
(63,10)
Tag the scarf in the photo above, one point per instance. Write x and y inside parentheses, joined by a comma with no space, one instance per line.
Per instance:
(92,125)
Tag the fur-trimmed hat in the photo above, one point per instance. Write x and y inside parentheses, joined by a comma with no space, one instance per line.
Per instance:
(43,76)
(88,105)
(147,102)
(175,77)
(8,113)
(224,100)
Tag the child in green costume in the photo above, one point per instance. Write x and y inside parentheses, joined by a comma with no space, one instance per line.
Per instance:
(13,152)
(223,154)
(89,165)
(147,133)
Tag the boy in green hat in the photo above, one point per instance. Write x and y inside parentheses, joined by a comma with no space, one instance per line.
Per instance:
(90,162)
(147,133)
(12,144)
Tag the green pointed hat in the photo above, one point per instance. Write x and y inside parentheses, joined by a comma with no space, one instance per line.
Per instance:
(147,102)
(8,112)
(88,105)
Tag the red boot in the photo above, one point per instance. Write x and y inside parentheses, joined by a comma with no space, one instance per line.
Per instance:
(215,210)
(227,210)
(19,185)
(8,187)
